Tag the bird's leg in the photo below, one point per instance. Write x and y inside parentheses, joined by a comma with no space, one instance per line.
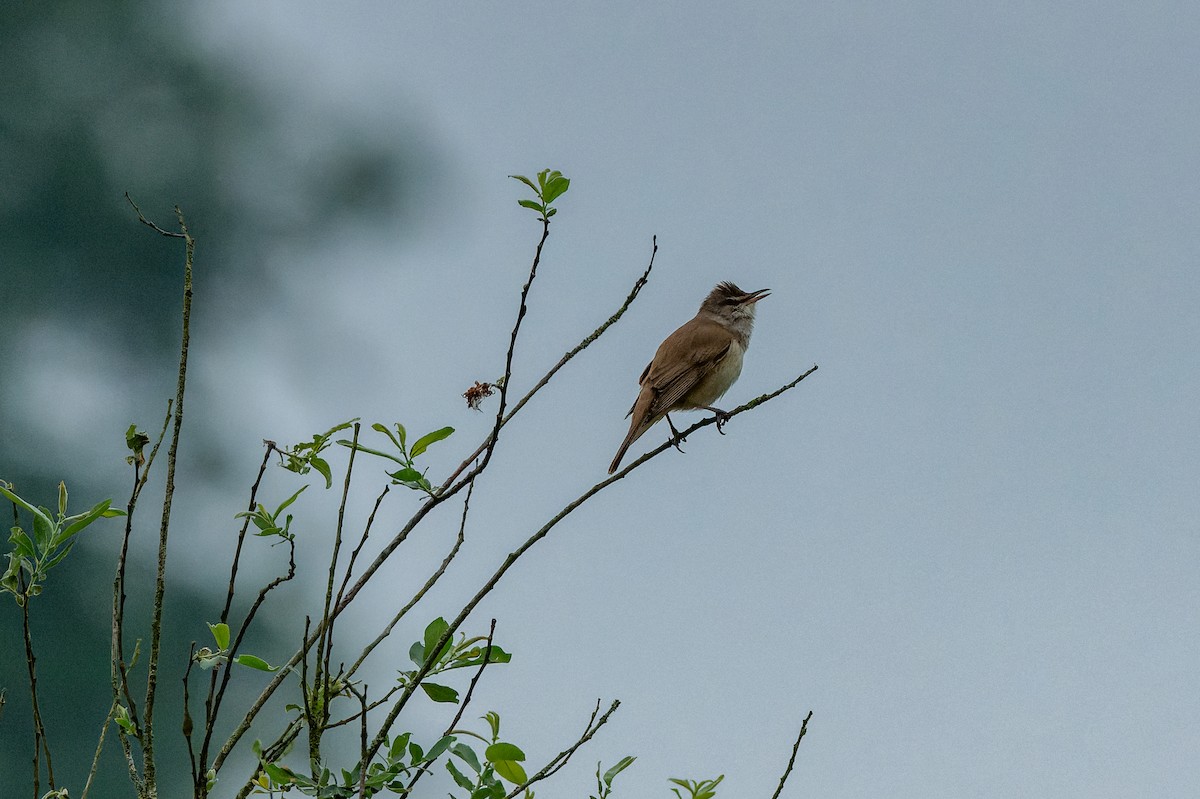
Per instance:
(676,436)
(722,418)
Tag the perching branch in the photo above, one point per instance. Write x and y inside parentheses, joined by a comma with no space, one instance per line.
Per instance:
(513,557)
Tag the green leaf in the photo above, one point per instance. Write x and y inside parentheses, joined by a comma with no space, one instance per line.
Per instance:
(397,747)
(22,544)
(524,180)
(62,498)
(433,633)
(277,774)
(468,756)
(92,515)
(43,532)
(405,475)
(54,561)
(441,746)
(323,468)
(475,657)
(505,758)
(503,751)
(531,204)
(459,777)
(555,188)
(220,633)
(493,720)
(416,653)
(8,581)
(380,428)
(621,765)
(288,501)
(23,504)
(135,439)
(429,438)
(439,693)
(347,443)
(255,662)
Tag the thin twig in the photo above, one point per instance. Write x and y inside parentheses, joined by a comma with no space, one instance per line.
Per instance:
(562,757)
(241,539)
(325,645)
(112,713)
(187,714)
(580,347)
(792,760)
(120,672)
(361,543)
(40,741)
(148,766)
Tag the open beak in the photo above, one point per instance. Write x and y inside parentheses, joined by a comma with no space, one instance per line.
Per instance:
(755,296)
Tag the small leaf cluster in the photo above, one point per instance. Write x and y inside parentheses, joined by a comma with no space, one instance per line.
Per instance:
(697,789)
(268,522)
(207,658)
(550,186)
(136,440)
(397,766)
(466,653)
(500,759)
(407,475)
(34,555)
(305,457)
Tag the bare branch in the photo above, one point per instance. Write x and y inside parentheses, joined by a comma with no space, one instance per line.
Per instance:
(792,760)
(148,766)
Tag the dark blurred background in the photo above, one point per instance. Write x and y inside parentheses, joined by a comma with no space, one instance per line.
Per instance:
(98,100)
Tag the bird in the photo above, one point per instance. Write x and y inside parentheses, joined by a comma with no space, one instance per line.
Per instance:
(695,365)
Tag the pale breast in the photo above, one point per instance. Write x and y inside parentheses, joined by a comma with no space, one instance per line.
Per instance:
(717,382)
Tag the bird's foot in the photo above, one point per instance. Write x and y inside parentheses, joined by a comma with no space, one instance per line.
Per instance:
(676,437)
(722,417)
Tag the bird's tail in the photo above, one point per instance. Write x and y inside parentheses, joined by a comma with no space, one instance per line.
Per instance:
(629,439)
(635,432)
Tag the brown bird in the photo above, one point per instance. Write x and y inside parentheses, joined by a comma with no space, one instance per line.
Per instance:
(696,364)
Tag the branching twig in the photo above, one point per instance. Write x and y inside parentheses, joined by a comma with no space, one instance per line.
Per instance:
(562,757)
(580,347)
(792,760)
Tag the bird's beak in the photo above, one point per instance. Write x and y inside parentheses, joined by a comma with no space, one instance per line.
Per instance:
(755,296)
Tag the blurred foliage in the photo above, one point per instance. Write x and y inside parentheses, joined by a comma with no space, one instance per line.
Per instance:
(99,99)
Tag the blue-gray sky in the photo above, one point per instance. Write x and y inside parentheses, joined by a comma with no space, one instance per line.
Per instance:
(968,543)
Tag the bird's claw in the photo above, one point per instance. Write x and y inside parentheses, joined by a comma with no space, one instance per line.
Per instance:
(722,417)
(676,437)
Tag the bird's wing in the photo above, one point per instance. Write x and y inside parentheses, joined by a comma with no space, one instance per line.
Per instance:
(706,345)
